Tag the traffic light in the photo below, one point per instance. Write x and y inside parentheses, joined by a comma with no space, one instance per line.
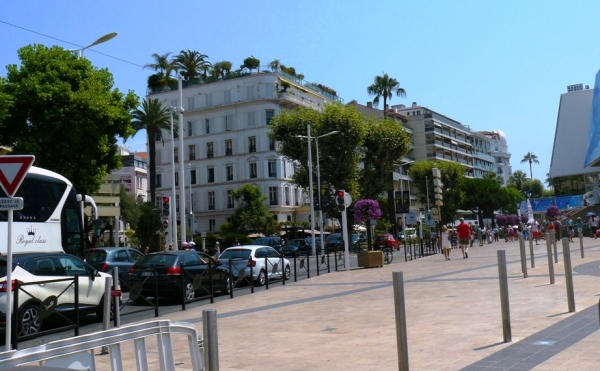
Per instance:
(437,187)
(166,205)
(398,202)
(325,202)
(340,200)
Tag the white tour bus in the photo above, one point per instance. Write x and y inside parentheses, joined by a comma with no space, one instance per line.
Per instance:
(51,219)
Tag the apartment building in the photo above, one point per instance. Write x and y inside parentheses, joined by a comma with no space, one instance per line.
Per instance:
(226,145)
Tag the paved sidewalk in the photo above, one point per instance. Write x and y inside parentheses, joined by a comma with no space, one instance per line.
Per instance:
(345,320)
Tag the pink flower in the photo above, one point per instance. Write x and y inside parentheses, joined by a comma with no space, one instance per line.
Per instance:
(366,210)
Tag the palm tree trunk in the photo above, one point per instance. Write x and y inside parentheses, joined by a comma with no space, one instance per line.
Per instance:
(530,171)
(152,167)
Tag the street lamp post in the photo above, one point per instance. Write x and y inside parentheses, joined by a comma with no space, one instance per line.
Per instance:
(173,216)
(309,137)
(191,205)
(100,40)
(182,169)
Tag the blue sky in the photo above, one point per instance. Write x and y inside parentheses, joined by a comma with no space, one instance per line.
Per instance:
(491,65)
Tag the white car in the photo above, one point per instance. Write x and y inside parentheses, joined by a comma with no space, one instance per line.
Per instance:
(265,261)
(56,296)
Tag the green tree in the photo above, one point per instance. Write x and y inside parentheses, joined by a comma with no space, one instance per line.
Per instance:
(531,158)
(130,208)
(251,215)
(66,113)
(385,87)
(339,157)
(481,196)
(251,63)
(509,196)
(163,68)
(452,177)
(152,117)
(6,102)
(149,225)
(384,144)
(517,179)
(533,188)
(275,65)
(222,69)
(190,63)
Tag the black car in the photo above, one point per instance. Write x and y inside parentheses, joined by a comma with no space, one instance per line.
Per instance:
(198,267)
(105,259)
(297,246)
(273,241)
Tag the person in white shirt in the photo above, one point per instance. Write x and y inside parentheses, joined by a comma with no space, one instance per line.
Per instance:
(445,242)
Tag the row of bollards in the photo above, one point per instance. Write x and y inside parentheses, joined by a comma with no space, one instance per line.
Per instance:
(551,249)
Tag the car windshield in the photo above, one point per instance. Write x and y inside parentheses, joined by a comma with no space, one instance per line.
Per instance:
(381,238)
(334,237)
(95,255)
(235,254)
(157,259)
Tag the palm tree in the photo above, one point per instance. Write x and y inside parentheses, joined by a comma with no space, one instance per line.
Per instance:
(517,178)
(385,86)
(152,117)
(190,62)
(163,66)
(275,64)
(531,158)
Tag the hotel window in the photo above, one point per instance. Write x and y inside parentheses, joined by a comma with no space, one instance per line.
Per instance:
(252,144)
(273,195)
(227,96)
(209,100)
(296,197)
(176,154)
(210,175)
(158,180)
(253,172)
(211,200)
(272,169)
(176,203)
(230,204)
(229,122)
(250,92)
(176,179)
(271,144)
(229,172)
(158,136)
(192,176)
(210,150)
(269,114)
(190,129)
(286,194)
(190,106)
(251,119)
(192,150)
(207,126)
(228,147)
(211,225)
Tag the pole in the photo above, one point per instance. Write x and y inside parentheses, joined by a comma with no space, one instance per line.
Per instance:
(173,214)
(9,308)
(312,201)
(530,238)
(554,244)
(181,169)
(191,206)
(568,274)
(345,239)
(580,233)
(401,330)
(523,255)
(550,262)
(504,303)
(322,243)
(211,339)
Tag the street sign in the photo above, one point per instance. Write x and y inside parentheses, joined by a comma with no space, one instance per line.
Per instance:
(436,214)
(411,217)
(429,219)
(12,172)
(11,203)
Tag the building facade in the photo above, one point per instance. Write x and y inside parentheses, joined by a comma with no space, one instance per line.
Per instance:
(226,145)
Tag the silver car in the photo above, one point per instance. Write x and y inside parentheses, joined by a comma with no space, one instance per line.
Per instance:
(265,261)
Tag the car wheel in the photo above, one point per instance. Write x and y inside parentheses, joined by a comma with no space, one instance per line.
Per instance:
(261,279)
(288,273)
(190,292)
(29,322)
(226,290)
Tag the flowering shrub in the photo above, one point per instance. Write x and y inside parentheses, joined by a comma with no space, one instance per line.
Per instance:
(365,210)
(512,220)
(552,211)
(501,220)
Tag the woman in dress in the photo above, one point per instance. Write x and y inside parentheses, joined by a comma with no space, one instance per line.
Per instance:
(445,242)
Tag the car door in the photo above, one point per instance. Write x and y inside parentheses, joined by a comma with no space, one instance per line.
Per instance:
(47,268)
(90,291)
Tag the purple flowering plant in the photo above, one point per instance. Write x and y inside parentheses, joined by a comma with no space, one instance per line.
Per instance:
(365,210)
(552,211)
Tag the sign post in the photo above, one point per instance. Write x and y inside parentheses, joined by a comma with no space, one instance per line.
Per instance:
(13,170)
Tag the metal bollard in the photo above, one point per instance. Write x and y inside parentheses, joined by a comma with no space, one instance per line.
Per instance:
(211,339)
(568,274)
(550,262)
(504,304)
(401,331)
(106,317)
(555,248)
(581,244)
(523,255)
(117,298)
(530,238)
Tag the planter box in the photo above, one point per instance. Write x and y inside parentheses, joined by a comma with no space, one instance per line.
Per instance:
(370,259)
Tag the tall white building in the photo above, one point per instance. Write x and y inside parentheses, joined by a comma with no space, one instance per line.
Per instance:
(226,145)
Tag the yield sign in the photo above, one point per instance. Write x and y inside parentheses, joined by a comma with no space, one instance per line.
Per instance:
(12,172)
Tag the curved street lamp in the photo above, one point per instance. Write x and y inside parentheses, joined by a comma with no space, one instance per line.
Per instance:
(100,40)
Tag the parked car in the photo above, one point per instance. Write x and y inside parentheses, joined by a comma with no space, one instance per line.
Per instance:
(39,267)
(273,241)
(244,257)
(169,275)
(295,246)
(385,241)
(333,241)
(105,259)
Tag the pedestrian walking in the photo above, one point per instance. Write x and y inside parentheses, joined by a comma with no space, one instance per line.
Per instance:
(453,239)
(464,233)
(571,233)
(534,231)
(217,251)
(445,242)
(579,227)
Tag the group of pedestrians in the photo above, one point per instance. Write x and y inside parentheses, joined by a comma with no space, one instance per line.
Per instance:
(464,234)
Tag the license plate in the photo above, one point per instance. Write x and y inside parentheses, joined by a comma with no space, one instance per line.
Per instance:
(145,274)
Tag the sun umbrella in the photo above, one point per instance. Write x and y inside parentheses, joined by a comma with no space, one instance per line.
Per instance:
(589,213)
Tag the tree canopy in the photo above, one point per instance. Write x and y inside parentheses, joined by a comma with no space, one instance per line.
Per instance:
(66,113)
(251,215)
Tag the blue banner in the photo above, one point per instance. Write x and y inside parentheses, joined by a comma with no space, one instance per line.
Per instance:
(539,205)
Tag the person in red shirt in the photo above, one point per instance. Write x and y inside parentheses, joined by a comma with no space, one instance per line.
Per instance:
(464,235)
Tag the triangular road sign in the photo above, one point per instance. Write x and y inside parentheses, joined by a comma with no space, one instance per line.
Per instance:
(12,172)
